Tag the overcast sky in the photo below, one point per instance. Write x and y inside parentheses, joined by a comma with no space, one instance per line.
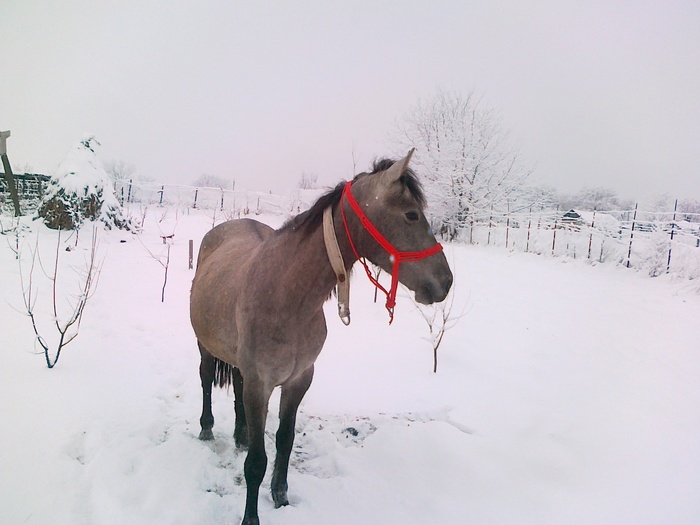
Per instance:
(594,92)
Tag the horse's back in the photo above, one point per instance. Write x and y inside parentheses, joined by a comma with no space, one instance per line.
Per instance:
(223,261)
(242,234)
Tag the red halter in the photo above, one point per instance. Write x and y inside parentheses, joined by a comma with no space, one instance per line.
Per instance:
(396,257)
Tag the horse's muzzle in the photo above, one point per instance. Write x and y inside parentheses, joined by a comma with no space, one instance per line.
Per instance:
(436,290)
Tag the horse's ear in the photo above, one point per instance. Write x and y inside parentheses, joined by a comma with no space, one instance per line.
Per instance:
(398,169)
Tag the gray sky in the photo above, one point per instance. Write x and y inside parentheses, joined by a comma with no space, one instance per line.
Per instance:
(595,92)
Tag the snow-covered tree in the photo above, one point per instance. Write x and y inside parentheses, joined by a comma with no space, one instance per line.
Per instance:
(308,181)
(206,180)
(598,199)
(590,199)
(467,159)
(119,170)
(689,209)
(81,190)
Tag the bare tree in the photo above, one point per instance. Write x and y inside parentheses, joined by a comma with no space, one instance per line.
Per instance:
(439,318)
(167,235)
(66,327)
(465,156)
(13,234)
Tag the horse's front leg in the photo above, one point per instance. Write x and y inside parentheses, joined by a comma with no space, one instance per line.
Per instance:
(292,394)
(255,398)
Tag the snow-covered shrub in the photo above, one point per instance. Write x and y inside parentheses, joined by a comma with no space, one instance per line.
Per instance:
(81,190)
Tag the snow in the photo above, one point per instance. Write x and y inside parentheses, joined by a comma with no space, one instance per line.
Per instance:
(568,393)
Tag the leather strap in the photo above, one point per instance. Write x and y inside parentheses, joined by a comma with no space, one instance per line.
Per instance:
(338,265)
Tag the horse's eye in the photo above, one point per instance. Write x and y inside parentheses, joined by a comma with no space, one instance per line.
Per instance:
(412,216)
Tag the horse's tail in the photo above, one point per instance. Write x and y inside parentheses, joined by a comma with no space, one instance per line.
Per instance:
(223,373)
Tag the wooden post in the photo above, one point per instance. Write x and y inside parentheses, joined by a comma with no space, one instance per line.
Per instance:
(9,177)
(670,246)
(590,239)
(529,224)
(196,192)
(191,253)
(634,220)
(488,239)
(554,236)
(162,191)
(508,225)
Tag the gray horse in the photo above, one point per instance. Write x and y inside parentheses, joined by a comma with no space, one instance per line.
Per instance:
(257,298)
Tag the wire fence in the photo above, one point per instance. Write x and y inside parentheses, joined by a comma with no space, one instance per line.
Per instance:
(655,242)
(225,203)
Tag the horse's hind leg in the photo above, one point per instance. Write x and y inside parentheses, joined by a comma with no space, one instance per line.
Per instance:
(207,369)
(240,434)
(292,395)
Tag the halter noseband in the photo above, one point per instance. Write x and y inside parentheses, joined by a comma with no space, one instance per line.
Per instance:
(396,257)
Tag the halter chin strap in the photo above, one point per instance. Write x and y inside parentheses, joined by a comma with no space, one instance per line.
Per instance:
(395,256)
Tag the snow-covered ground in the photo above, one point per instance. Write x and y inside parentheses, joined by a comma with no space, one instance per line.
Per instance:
(567,394)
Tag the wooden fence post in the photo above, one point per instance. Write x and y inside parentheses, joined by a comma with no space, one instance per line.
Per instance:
(9,177)
(670,246)
(488,239)
(191,243)
(590,239)
(508,225)
(634,221)
(529,224)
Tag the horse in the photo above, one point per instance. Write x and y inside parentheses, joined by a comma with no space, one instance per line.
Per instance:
(256,303)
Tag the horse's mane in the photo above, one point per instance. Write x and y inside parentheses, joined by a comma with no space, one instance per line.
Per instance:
(311,219)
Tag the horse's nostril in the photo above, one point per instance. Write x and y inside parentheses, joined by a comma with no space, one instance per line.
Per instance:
(447,283)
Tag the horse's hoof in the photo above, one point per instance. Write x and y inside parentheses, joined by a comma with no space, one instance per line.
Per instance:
(240,437)
(251,521)
(206,434)
(280,499)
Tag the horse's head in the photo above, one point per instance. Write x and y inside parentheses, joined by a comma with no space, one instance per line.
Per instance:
(394,233)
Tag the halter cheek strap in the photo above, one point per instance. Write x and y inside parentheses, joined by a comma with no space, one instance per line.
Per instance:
(395,256)
(338,265)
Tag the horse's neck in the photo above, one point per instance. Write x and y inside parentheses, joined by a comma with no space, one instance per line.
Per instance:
(304,267)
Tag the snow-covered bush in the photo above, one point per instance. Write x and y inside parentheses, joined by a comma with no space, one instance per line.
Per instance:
(81,190)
